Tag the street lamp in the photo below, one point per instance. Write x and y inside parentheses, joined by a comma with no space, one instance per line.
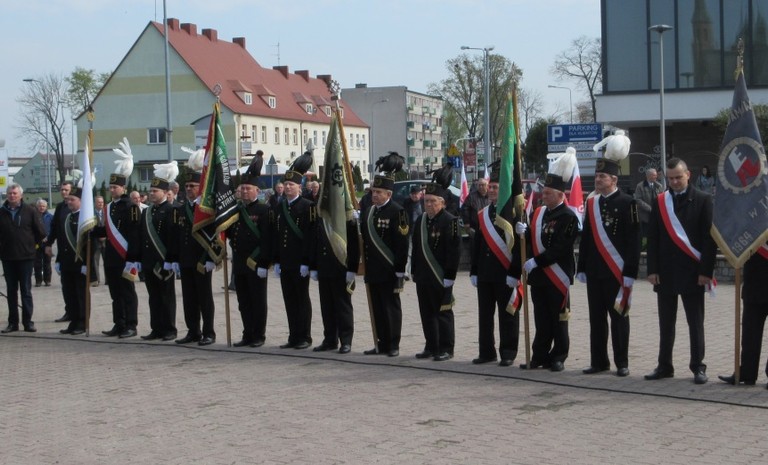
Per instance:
(570,98)
(487,86)
(661,29)
(373,153)
(47,159)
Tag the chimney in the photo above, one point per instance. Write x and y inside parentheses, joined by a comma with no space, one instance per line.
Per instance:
(239,41)
(361,85)
(189,28)
(283,70)
(211,34)
(173,23)
(304,73)
(325,77)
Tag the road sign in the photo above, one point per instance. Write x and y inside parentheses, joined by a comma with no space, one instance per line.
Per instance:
(579,146)
(565,133)
(453,151)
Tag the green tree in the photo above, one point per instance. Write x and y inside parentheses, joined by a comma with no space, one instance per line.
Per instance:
(83,84)
(581,63)
(535,149)
(761,115)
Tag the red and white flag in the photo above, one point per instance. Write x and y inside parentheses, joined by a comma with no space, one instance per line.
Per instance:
(576,198)
(464,186)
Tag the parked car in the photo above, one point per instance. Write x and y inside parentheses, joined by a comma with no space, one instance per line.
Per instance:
(403,188)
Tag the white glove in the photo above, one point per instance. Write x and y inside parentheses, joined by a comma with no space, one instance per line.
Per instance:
(511,281)
(473,280)
(521,228)
(530,265)
(83,270)
(209,266)
(448,282)
(356,214)
(126,269)
(304,271)
(400,275)
(313,275)
(167,266)
(176,268)
(137,265)
(57,267)
(581,277)
(277,270)
(350,277)
(628,282)
(261,272)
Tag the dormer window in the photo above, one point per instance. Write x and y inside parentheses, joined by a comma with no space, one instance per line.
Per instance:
(248,98)
(328,110)
(272,102)
(308,107)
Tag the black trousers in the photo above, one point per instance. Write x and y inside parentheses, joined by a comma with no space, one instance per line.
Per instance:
(336,309)
(298,307)
(162,303)
(387,313)
(551,343)
(490,297)
(125,303)
(752,325)
(252,302)
(694,314)
(197,299)
(18,278)
(601,295)
(42,266)
(73,290)
(438,326)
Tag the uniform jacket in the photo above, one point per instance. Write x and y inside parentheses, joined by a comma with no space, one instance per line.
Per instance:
(59,215)
(484,263)
(678,272)
(20,234)
(184,249)
(324,260)
(444,242)
(127,218)
(161,218)
(620,220)
(244,241)
(290,250)
(559,230)
(66,255)
(390,223)
(645,196)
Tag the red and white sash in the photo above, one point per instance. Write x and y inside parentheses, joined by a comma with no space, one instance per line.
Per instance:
(113,235)
(515,299)
(554,272)
(610,255)
(763,251)
(677,233)
(495,242)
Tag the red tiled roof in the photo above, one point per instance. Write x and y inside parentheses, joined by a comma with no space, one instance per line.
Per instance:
(230,65)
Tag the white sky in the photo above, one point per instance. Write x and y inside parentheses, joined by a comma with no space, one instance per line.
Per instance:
(378,42)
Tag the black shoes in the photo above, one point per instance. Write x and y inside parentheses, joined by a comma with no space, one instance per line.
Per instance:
(442,357)
(591,370)
(187,339)
(241,343)
(169,337)
(151,336)
(345,349)
(302,345)
(481,360)
(115,331)
(65,331)
(505,362)
(393,353)
(324,347)
(258,343)
(660,374)
(424,354)
(77,331)
(10,329)
(127,333)
(64,318)
(30,328)
(206,341)
(373,351)
(622,372)
(700,377)
(732,380)
(288,345)
(533,365)
(557,366)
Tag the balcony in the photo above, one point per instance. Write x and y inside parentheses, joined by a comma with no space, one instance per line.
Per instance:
(410,142)
(409,124)
(411,160)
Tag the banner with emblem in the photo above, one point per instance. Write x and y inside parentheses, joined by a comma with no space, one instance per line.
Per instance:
(510,185)
(87,219)
(740,220)
(218,206)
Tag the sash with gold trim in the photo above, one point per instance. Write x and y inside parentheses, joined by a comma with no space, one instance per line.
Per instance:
(610,255)
(71,237)
(290,221)
(434,266)
(554,272)
(118,241)
(251,260)
(157,243)
(377,241)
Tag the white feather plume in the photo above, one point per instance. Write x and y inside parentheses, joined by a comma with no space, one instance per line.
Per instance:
(616,146)
(196,159)
(167,171)
(77,176)
(564,164)
(125,163)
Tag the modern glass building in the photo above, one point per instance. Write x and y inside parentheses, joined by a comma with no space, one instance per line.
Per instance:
(699,61)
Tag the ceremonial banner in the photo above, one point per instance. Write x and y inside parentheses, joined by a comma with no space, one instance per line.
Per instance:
(740,220)
(87,219)
(335,205)
(218,206)
(510,185)
(576,197)
(464,186)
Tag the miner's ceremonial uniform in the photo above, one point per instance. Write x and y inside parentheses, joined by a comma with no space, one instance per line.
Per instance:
(72,279)
(157,231)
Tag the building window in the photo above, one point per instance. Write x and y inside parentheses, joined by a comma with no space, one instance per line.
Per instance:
(248,98)
(277,135)
(263,134)
(304,137)
(253,134)
(362,140)
(295,136)
(328,110)
(309,108)
(272,101)
(156,136)
(357,141)
(314,137)
(287,136)
(325,139)
(243,131)
(146,174)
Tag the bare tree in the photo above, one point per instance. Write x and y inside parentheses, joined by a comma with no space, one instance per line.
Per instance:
(582,64)
(44,120)
(529,102)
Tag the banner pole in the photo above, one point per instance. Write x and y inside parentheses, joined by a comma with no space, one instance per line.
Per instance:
(226,297)
(737,328)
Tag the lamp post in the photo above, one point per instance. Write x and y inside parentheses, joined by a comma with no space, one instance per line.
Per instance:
(661,29)
(47,159)
(487,86)
(570,98)
(373,153)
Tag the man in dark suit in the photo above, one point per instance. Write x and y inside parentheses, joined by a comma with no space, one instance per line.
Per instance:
(681,261)
(278,195)
(492,276)
(609,255)
(753,319)
(59,215)
(645,196)
(385,239)
(70,266)
(436,242)
(292,257)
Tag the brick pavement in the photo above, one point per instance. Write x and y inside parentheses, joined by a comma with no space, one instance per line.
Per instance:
(94,400)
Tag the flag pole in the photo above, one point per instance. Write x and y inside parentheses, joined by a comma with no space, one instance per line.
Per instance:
(88,287)
(226,295)
(737,329)
(522,244)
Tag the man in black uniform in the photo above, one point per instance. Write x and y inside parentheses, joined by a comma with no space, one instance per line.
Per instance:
(251,241)
(436,243)
(70,266)
(681,261)
(753,319)
(192,261)
(385,237)
(491,273)
(292,256)
(553,230)
(609,255)
(157,231)
(121,248)
(59,215)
